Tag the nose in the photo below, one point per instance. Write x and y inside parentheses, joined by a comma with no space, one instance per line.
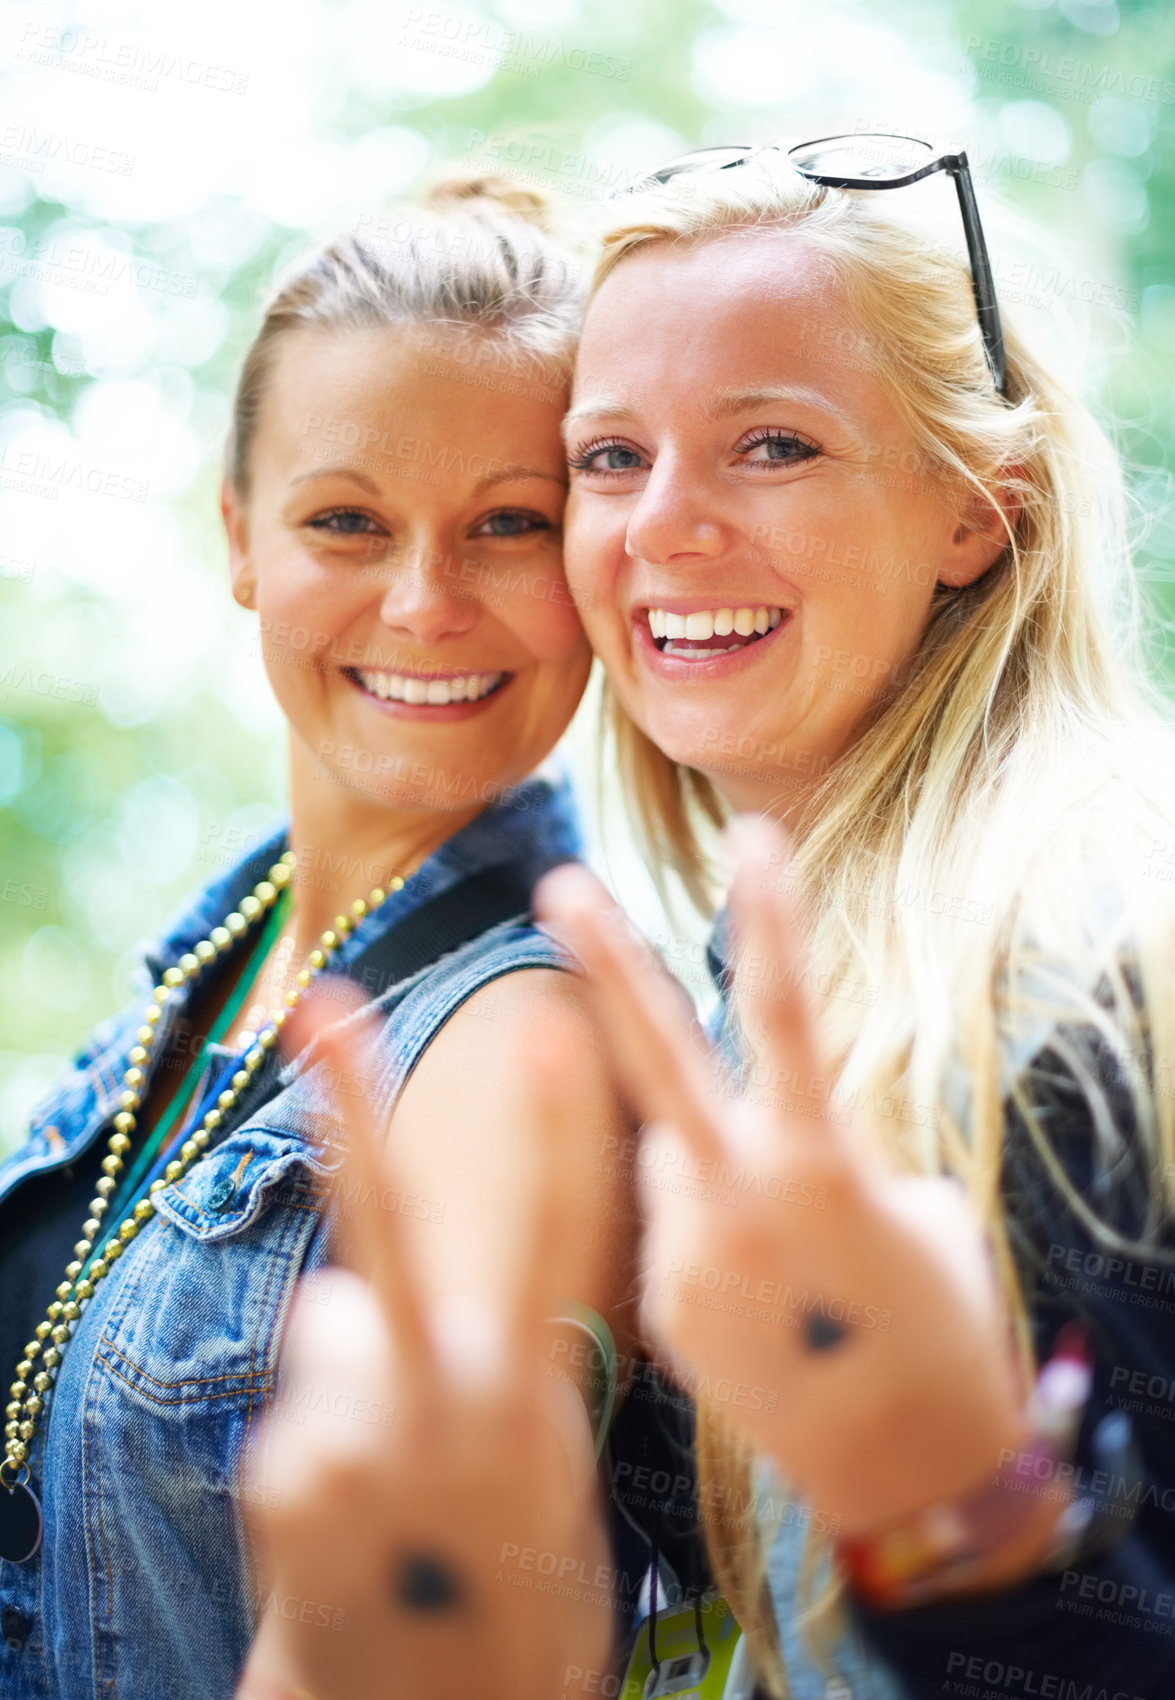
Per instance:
(424,601)
(675,516)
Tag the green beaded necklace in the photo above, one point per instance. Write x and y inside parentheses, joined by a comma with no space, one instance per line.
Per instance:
(124,1197)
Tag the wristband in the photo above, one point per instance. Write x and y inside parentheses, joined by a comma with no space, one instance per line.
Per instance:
(941,1547)
(600,1407)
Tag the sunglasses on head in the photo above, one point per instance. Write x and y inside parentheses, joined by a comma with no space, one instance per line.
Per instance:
(872,160)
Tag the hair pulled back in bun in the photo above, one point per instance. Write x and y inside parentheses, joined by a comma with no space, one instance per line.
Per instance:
(481,192)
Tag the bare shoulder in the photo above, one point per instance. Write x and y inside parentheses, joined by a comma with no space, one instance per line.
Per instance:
(461,1129)
(490,1040)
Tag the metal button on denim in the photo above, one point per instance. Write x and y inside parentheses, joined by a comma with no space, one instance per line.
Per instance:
(15,1626)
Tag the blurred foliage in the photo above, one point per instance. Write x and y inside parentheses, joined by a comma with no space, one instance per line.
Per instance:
(157,171)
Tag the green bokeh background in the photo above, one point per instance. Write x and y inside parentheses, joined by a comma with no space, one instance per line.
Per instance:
(156,171)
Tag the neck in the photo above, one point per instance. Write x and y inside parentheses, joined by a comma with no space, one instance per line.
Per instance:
(347,843)
(781,799)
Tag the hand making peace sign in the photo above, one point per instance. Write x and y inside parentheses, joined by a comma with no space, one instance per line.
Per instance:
(859,1304)
(399,1554)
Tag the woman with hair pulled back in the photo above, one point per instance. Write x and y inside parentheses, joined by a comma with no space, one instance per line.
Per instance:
(393,504)
(848,587)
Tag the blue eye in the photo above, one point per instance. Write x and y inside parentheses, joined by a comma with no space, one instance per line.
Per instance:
(345,522)
(605,458)
(783,448)
(511,522)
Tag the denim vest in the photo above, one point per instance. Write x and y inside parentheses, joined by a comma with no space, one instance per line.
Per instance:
(143,1588)
(784,1521)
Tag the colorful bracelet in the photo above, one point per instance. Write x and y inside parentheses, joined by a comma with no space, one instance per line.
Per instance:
(941,1547)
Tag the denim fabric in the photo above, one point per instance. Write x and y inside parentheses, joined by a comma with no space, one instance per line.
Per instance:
(143,1588)
(856,1673)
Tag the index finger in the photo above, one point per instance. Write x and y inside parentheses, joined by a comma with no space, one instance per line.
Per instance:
(771,962)
(771,972)
(662,1060)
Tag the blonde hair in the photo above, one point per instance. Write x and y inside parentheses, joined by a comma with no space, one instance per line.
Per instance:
(1018,776)
(480,256)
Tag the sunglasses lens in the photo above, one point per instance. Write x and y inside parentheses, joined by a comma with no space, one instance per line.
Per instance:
(700,159)
(880,159)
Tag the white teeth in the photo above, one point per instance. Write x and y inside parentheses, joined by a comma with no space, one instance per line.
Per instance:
(403,688)
(713,622)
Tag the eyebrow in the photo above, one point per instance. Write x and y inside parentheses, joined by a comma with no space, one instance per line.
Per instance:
(594,410)
(350,472)
(508,475)
(724,404)
(516,474)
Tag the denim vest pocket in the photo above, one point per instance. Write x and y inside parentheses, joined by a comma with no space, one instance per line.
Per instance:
(200,1304)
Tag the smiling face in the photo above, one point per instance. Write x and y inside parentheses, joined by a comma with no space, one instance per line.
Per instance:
(752,536)
(401,541)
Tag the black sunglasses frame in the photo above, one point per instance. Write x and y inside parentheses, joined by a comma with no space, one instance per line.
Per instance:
(956,167)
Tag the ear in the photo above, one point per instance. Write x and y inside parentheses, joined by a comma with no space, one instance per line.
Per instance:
(236,527)
(980,534)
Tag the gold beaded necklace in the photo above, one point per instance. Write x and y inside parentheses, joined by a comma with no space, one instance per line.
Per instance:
(20,1512)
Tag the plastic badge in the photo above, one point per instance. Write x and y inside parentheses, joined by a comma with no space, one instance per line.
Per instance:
(717,1667)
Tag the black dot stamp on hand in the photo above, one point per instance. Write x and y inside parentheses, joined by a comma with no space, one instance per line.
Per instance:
(822,1334)
(425,1583)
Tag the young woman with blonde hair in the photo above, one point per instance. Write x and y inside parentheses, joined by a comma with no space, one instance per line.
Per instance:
(855,561)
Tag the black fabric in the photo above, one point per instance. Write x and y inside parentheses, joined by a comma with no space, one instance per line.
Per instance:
(653,1483)
(40,1222)
(652,1503)
(443,923)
